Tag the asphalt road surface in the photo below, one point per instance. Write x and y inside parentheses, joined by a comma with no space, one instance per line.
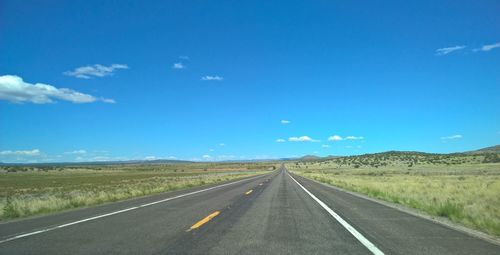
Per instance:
(277,213)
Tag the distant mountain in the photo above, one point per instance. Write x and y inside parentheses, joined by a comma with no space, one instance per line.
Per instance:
(309,157)
(402,154)
(492,149)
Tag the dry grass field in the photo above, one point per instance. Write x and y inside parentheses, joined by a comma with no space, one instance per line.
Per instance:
(32,190)
(462,188)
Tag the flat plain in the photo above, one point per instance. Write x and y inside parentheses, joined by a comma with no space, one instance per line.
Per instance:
(33,190)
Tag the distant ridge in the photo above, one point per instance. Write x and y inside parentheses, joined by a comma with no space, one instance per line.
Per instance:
(488,150)
(492,149)
(309,157)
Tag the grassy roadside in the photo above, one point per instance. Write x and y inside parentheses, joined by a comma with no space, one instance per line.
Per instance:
(39,192)
(468,195)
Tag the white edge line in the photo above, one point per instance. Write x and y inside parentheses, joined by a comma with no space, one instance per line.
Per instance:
(120,211)
(414,212)
(373,249)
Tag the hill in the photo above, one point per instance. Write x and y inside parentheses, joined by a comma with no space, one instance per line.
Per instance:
(408,158)
(492,149)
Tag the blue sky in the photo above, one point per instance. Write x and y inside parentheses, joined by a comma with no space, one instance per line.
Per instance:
(214,80)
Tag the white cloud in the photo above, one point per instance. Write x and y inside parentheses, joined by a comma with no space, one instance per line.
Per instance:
(280,140)
(206,157)
(211,150)
(285,122)
(97,70)
(354,138)
(353,147)
(325,146)
(76,152)
(108,100)
(340,138)
(171,157)
(451,137)
(212,78)
(488,47)
(150,158)
(225,157)
(222,144)
(335,138)
(448,50)
(178,66)
(14,89)
(101,158)
(304,138)
(34,152)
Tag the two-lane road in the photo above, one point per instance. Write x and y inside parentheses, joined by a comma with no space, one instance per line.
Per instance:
(277,213)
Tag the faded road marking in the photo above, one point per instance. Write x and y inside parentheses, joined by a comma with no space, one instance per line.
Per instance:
(204,220)
(120,211)
(248,192)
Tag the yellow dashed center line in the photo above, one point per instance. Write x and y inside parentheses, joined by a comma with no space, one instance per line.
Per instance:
(248,192)
(204,220)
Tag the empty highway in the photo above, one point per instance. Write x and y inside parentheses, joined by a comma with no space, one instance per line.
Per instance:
(276,213)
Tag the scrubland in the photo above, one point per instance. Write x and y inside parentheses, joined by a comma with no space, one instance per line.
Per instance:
(463,188)
(32,190)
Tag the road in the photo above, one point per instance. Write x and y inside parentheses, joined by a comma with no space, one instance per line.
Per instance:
(277,213)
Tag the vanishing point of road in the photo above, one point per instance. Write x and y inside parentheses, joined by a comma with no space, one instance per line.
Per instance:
(276,213)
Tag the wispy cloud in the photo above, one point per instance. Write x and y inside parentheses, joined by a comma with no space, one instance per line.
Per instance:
(304,138)
(108,100)
(212,78)
(448,50)
(354,137)
(178,66)
(225,157)
(340,138)
(97,70)
(325,146)
(101,158)
(34,152)
(222,144)
(14,89)
(451,137)
(335,138)
(280,140)
(76,152)
(488,47)
(284,122)
(184,57)
(150,158)
(353,147)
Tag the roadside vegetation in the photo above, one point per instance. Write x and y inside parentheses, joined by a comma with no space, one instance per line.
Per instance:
(464,188)
(41,189)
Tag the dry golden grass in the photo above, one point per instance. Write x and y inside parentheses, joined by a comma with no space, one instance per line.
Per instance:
(463,194)
(30,193)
